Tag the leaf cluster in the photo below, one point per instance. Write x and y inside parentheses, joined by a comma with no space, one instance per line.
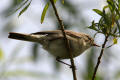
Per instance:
(109,21)
(27,3)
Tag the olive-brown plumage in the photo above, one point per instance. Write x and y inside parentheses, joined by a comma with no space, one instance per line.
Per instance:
(53,41)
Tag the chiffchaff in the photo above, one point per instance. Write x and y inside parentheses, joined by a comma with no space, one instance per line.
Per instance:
(53,41)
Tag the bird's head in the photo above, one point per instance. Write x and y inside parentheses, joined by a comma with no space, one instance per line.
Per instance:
(89,41)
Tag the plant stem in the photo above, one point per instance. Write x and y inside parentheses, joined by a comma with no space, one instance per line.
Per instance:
(65,39)
(99,58)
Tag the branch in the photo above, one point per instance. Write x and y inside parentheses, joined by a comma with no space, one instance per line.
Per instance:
(65,39)
(99,58)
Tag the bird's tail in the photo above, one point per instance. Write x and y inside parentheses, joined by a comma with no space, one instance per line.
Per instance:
(25,37)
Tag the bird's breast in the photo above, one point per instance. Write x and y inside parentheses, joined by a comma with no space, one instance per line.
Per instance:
(58,48)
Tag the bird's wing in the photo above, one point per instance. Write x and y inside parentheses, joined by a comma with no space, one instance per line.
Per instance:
(47,32)
(68,32)
(50,35)
(59,35)
(75,34)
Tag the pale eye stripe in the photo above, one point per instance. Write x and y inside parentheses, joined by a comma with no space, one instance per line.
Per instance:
(75,36)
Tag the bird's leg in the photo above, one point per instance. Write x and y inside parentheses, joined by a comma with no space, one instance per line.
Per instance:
(58,59)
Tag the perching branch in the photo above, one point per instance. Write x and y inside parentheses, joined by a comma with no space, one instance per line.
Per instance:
(65,39)
(99,58)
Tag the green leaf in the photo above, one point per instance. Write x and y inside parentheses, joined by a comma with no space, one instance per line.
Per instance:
(118,1)
(98,12)
(55,1)
(110,2)
(21,6)
(93,26)
(115,40)
(19,1)
(44,12)
(1,54)
(105,7)
(24,9)
(113,21)
(117,17)
(118,7)
(111,5)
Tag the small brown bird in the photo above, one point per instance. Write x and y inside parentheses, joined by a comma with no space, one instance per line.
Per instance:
(53,41)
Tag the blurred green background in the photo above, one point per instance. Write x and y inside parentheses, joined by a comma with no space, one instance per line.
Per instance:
(28,61)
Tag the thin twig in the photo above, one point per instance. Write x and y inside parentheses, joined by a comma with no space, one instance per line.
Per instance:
(65,39)
(99,58)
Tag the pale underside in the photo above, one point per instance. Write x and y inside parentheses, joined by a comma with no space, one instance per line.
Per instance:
(56,46)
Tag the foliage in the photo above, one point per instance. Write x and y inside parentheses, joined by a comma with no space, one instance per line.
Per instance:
(44,12)
(107,25)
(109,21)
(25,8)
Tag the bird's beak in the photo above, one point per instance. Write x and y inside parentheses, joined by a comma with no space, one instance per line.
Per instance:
(95,45)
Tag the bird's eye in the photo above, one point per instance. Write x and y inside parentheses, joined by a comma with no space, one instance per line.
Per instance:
(86,40)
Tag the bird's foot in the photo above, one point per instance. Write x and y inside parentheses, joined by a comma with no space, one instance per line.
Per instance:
(58,59)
